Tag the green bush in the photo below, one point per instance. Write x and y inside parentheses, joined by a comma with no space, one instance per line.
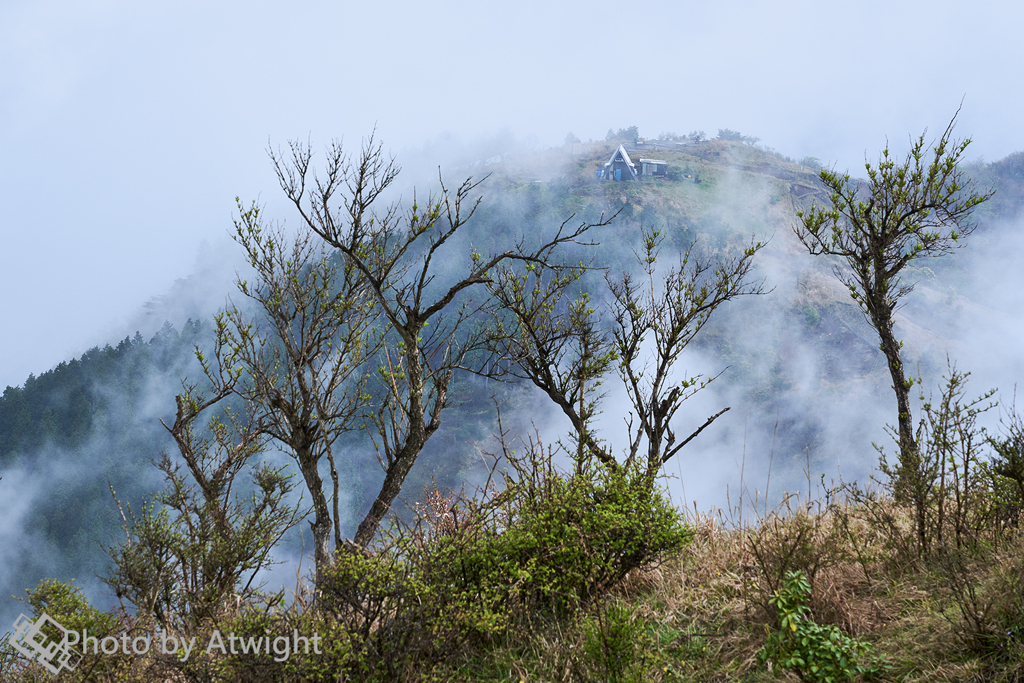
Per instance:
(287,646)
(572,538)
(66,605)
(822,654)
(469,569)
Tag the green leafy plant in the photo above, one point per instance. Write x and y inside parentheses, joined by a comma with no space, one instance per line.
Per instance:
(613,645)
(567,538)
(66,604)
(292,645)
(199,542)
(822,654)
(951,488)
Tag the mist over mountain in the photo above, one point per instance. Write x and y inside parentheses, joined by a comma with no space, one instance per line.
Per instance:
(800,367)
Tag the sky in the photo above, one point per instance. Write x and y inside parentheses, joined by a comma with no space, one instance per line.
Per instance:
(127,129)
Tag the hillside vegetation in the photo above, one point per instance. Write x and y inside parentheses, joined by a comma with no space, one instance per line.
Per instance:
(521,555)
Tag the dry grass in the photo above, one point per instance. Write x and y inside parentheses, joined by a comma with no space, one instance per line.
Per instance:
(713,596)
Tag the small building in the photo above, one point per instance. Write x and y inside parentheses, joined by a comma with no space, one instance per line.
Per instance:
(620,166)
(653,167)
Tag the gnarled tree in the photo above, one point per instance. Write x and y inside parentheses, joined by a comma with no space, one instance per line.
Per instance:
(405,260)
(303,351)
(655,320)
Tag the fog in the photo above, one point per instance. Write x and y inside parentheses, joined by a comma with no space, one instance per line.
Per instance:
(816,426)
(127,131)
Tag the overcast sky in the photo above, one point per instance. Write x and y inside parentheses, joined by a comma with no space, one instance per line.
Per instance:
(127,128)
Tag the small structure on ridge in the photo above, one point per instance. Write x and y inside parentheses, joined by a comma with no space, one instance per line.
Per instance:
(621,167)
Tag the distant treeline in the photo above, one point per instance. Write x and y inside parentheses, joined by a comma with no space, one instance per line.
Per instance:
(98,392)
(1006,177)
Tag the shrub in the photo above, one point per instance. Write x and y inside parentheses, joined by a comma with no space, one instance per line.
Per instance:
(613,646)
(1008,610)
(470,569)
(989,597)
(277,651)
(1008,465)
(796,539)
(571,538)
(947,482)
(815,653)
(195,548)
(65,604)
(564,540)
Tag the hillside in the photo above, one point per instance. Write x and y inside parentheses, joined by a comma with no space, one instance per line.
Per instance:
(744,192)
(800,367)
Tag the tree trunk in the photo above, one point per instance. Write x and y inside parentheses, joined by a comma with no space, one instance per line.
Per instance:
(419,431)
(908,486)
(321,526)
(389,490)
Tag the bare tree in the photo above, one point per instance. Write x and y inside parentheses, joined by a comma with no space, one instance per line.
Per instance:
(556,342)
(906,210)
(559,343)
(667,312)
(303,354)
(401,256)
